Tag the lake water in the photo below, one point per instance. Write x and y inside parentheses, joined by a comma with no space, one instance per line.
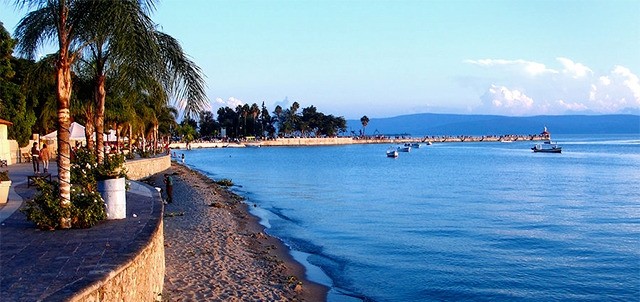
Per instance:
(456,221)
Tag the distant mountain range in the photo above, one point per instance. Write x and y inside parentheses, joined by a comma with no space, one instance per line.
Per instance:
(459,124)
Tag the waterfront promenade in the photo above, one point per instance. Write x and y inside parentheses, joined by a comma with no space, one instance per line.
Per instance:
(59,265)
(210,248)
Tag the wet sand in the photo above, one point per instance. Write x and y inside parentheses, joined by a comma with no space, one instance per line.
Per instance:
(215,250)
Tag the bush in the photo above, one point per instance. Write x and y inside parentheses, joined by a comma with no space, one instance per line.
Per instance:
(144,154)
(87,207)
(4,175)
(46,211)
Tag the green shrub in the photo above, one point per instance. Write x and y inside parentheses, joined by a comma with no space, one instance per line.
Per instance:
(88,208)
(112,167)
(4,175)
(46,211)
(144,154)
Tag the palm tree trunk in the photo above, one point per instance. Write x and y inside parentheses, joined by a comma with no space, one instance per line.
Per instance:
(88,134)
(155,138)
(100,96)
(117,139)
(63,82)
(130,139)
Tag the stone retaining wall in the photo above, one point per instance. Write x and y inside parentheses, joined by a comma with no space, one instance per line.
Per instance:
(145,167)
(141,279)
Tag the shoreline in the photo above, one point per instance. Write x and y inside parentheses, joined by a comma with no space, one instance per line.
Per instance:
(215,249)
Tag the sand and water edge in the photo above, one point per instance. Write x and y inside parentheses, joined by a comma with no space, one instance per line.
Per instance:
(216,250)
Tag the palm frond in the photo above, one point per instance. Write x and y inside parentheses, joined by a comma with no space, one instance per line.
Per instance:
(34,30)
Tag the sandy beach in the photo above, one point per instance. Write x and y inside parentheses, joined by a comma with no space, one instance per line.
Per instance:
(215,250)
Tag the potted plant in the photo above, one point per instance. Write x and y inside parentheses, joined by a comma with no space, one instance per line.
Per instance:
(111,184)
(5,185)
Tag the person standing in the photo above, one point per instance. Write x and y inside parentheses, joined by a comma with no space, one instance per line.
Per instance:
(45,156)
(35,154)
(168,181)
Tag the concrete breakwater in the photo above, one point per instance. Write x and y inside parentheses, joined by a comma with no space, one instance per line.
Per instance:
(356,140)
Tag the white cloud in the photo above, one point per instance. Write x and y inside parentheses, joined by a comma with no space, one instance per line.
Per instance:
(231,102)
(573,69)
(574,106)
(529,67)
(506,101)
(576,87)
(615,92)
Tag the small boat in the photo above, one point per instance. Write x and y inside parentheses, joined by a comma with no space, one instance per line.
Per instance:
(429,143)
(547,147)
(404,148)
(392,153)
(415,145)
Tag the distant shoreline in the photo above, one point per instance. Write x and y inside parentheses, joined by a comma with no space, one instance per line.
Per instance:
(313,141)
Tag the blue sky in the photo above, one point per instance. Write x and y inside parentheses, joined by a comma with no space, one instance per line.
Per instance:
(388,58)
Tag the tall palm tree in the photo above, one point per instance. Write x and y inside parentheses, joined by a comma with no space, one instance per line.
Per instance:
(136,51)
(116,30)
(62,20)
(365,121)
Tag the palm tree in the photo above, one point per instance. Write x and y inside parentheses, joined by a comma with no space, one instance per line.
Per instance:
(365,121)
(154,58)
(64,20)
(116,31)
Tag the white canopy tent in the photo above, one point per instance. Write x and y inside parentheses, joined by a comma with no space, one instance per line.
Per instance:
(76,132)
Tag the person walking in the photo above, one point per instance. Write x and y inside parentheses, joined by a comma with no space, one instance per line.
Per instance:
(168,181)
(35,154)
(45,156)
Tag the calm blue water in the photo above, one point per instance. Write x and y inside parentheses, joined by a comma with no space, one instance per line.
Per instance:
(457,221)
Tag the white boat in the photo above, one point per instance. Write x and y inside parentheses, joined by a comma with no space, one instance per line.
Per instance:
(547,147)
(415,145)
(392,153)
(404,149)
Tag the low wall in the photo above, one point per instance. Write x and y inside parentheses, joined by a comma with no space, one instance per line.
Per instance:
(308,141)
(145,167)
(142,279)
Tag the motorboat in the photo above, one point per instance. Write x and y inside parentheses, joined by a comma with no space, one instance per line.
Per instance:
(415,145)
(547,147)
(392,153)
(404,149)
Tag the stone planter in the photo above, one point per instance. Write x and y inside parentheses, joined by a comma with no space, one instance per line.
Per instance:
(113,191)
(5,185)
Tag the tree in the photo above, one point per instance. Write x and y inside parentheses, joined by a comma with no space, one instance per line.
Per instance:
(63,20)
(129,46)
(13,104)
(266,122)
(208,125)
(365,121)
(106,25)
(228,119)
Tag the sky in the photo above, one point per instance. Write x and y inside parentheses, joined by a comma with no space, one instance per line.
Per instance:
(390,58)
